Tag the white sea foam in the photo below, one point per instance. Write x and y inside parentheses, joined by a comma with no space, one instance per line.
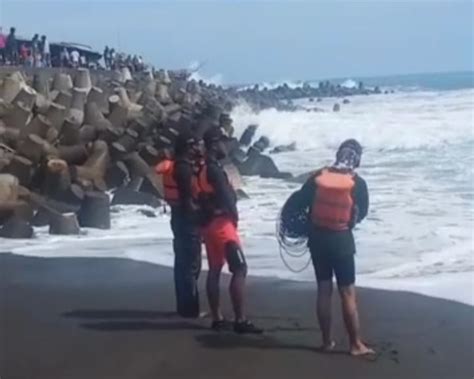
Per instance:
(349,83)
(197,74)
(418,163)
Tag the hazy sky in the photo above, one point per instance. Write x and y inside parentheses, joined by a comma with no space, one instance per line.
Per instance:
(267,40)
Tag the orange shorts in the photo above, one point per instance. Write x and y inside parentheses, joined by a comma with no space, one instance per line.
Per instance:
(216,236)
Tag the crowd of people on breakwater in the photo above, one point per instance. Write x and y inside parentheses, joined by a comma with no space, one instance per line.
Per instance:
(14,51)
(113,60)
(38,52)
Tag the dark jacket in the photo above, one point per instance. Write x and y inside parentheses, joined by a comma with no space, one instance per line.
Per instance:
(183,174)
(12,43)
(360,196)
(224,197)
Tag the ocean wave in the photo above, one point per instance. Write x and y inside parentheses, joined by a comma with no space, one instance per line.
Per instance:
(385,122)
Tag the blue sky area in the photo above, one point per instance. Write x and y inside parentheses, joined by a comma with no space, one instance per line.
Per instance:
(267,40)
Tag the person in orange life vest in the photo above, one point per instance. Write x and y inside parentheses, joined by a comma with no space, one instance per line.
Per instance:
(337,199)
(219,218)
(180,194)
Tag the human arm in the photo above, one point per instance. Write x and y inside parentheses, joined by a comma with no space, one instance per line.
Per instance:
(305,195)
(361,198)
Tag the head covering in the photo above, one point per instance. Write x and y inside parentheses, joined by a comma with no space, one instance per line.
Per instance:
(349,154)
(183,141)
(213,135)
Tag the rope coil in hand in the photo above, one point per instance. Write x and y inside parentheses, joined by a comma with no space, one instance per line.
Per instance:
(292,232)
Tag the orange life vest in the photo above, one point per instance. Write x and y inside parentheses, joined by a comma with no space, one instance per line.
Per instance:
(206,192)
(166,168)
(333,202)
(205,188)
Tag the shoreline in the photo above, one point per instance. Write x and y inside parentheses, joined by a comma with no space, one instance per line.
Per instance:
(113,318)
(443,286)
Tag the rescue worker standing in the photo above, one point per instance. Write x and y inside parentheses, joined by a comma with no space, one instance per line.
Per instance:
(179,192)
(219,216)
(337,199)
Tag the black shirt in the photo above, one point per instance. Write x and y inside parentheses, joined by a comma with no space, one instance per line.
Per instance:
(183,174)
(224,198)
(11,42)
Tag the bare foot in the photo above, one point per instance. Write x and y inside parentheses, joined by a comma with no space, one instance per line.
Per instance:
(328,347)
(361,349)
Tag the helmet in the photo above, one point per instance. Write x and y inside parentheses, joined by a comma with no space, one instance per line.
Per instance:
(349,153)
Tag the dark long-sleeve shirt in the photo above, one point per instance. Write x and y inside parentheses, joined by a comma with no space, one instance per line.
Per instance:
(224,198)
(184,175)
(360,196)
(12,43)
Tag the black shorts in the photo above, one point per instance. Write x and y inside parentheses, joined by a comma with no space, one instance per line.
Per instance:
(332,253)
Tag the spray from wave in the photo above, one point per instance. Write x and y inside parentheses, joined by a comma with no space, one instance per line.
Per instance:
(403,121)
(196,68)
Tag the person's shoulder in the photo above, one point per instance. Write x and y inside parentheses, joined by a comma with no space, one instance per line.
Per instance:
(214,163)
(319,171)
(213,167)
(359,180)
(314,174)
(311,180)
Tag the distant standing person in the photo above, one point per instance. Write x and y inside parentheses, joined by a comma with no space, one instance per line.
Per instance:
(106,57)
(35,48)
(337,199)
(135,63)
(24,54)
(112,57)
(140,63)
(45,51)
(3,45)
(64,58)
(12,47)
(83,61)
(75,57)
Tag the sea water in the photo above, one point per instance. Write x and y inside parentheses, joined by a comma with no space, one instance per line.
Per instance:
(418,162)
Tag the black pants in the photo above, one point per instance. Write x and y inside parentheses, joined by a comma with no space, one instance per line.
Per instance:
(187,263)
(333,254)
(12,56)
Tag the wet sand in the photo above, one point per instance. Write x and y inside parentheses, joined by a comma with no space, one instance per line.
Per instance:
(97,318)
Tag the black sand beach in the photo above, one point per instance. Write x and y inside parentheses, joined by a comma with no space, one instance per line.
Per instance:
(94,318)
